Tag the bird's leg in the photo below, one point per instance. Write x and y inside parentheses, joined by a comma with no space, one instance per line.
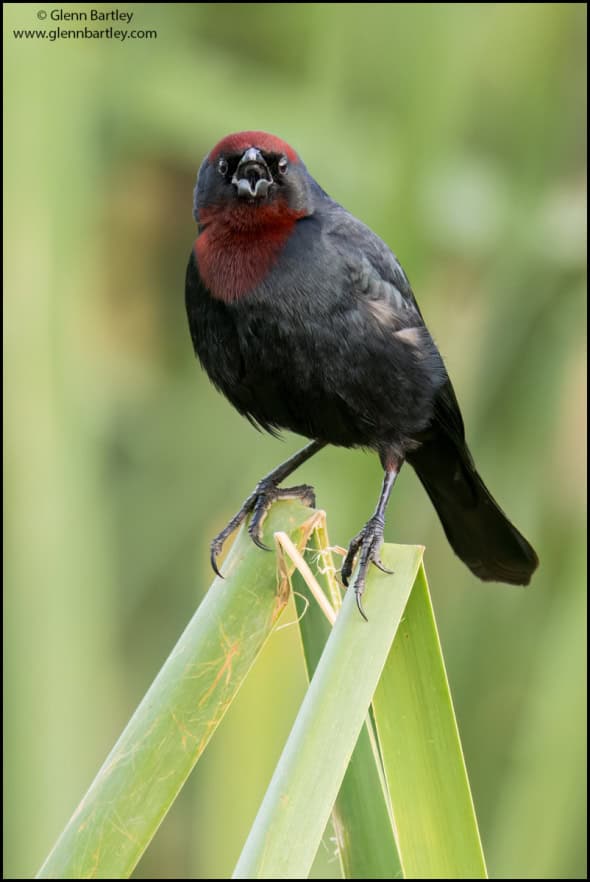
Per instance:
(264,494)
(368,542)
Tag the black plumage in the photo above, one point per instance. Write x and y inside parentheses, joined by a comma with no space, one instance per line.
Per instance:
(325,339)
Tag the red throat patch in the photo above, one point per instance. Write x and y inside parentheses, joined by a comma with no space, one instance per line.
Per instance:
(238,246)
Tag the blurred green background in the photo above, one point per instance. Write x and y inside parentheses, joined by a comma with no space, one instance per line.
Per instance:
(456,131)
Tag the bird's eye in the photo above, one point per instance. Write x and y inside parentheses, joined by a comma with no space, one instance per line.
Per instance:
(222,167)
(283,165)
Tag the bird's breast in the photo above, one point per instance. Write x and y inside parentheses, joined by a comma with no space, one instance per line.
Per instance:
(232,258)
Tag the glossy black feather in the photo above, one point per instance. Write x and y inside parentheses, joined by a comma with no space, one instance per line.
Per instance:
(332,345)
(320,353)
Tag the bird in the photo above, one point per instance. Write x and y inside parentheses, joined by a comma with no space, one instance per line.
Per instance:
(305,320)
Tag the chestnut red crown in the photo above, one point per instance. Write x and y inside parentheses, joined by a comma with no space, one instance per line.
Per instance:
(239,142)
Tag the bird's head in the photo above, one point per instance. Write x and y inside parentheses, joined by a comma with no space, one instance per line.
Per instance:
(252,179)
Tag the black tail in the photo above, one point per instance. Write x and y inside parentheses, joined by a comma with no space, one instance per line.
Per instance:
(478,530)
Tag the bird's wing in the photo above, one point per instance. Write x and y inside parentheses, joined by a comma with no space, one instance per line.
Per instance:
(382,292)
(375,274)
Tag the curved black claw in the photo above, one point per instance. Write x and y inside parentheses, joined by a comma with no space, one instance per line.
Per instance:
(368,542)
(359,605)
(381,566)
(214,554)
(258,503)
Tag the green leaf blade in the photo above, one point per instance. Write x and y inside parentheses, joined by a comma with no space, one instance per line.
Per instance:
(170,729)
(435,819)
(360,817)
(293,815)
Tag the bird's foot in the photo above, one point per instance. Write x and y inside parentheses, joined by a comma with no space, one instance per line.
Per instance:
(368,543)
(258,504)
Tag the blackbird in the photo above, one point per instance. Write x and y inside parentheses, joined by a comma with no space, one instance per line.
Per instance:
(305,320)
